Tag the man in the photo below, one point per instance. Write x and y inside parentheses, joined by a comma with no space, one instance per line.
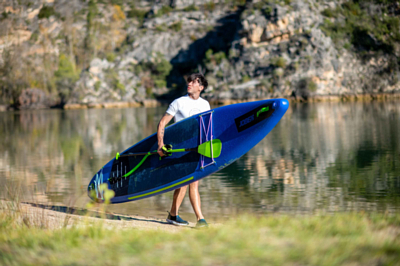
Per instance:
(182,108)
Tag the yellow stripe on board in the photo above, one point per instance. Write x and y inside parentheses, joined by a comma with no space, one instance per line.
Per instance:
(156,191)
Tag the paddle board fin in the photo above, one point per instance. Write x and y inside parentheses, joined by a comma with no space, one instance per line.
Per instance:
(211,149)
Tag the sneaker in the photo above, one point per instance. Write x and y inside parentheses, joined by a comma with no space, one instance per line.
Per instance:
(176,220)
(201,223)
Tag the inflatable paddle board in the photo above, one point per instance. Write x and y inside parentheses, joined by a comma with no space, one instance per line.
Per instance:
(201,145)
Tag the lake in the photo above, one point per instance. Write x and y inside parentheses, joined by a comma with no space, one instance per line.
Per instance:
(320,158)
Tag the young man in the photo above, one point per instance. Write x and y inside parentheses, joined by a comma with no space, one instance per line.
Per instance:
(182,108)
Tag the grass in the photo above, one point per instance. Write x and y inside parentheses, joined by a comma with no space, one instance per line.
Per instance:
(351,238)
(274,239)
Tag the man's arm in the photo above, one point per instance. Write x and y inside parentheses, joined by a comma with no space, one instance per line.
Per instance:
(160,131)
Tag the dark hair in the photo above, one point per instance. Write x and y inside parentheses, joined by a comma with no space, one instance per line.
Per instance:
(202,80)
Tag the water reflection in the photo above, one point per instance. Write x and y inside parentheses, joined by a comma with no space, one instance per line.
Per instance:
(322,157)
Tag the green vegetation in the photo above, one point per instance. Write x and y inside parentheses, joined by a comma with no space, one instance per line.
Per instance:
(164,10)
(177,26)
(279,62)
(89,38)
(367,29)
(161,27)
(111,57)
(46,12)
(153,72)
(65,76)
(137,14)
(210,6)
(4,15)
(216,58)
(246,78)
(114,82)
(191,8)
(97,85)
(340,239)
(306,85)
(312,86)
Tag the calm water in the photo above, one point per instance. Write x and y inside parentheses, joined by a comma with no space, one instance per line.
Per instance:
(321,157)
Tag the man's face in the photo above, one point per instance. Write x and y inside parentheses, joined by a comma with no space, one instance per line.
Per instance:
(194,86)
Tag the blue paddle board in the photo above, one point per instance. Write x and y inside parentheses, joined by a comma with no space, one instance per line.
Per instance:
(239,127)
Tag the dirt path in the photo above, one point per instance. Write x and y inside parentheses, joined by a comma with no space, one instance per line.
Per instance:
(53,217)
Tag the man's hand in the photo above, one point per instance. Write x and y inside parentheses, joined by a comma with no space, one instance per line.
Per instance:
(159,150)
(160,132)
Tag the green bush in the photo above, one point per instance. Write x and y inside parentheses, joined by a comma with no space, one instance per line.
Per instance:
(264,6)
(214,59)
(210,6)
(117,2)
(160,83)
(66,69)
(280,62)
(162,66)
(65,76)
(191,8)
(158,69)
(330,13)
(246,78)
(110,57)
(119,86)
(164,10)
(4,15)
(46,12)
(312,86)
(177,26)
(161,28)
(97,85)
(364,29)
(137,14)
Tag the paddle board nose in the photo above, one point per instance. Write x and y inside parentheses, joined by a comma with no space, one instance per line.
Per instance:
(282,107)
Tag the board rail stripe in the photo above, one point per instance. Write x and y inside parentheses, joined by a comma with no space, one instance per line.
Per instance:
(162,189)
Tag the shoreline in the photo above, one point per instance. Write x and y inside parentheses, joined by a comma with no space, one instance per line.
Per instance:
(368,97)
(55,217)
(38,237)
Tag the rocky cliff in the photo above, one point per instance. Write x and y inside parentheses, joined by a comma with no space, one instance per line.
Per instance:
(93,52)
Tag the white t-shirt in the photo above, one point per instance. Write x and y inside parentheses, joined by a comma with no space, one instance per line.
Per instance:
(185,107)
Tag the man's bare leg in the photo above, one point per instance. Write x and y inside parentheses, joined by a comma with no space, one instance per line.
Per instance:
(194,196)
(179,194)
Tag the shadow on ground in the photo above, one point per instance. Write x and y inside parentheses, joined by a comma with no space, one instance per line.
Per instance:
(96,214)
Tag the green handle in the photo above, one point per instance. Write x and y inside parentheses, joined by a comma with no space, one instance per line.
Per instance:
(262,110)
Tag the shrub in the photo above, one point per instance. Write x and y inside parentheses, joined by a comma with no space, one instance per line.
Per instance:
(160,83)
(119,86)
(364,28)
(162,66)
(312,86)
(280,62)
(97,85)
(161,27)
(177,26)
(191,8)
(246,78)
(210,6)
(164,10)
(330,13)
(46,12)
(65,76)
(137,14)
(215,59)
(110,57)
